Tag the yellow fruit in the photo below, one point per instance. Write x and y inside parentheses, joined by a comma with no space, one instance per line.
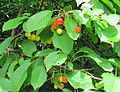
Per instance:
(59,31)
(27,34)
(33,37)
(52,29)
(61,86)
(37,38)
(55,86)
(49,42)
(29,38)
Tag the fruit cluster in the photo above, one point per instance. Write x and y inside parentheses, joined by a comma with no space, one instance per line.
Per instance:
(55,25)
(61,79)
(60,86)
(32,37)
(48,41)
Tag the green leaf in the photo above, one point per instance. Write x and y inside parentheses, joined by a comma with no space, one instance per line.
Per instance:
(117,48)
(66,90)
(5,44)
(63,42)
(79,80)
(112,19)
(39,76)
(115,61)
(103,63)
(80,16)
(111,83)
(112,32)
(13,23)
(11,68)
(28,47)
(4,69)
(97,5)
(5,85)
(54,59)
(66,0)
(109,4)
(70,25)
(38,21)
(44,52)
(81,1)
(19,76)
(116,2)
(46,34)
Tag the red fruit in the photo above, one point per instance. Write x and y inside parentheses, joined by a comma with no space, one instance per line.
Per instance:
(107,46)
(54,25)
(60,79)
(60,21)
(65,80)
(77,29)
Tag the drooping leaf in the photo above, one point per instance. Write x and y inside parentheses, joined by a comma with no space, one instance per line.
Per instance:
(38,21)
(117,48)
(79,79)
(70,25)
(103,63)
(28,47)
(5,44)
(111,82)
(109,4)
(11,68)
(19,76)
(44,52)
(13,23)
(5,85)
(54,59)
(63,42)
(38,76)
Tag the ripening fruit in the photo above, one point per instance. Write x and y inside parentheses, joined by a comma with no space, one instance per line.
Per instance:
(49,42)
(59,31)
(64,79)
(61,86)
(54,25)
(107,46)
(33,37)
(60,21)
(60,79)
(77,29)
(37,38)
(55,86)
(42,8)
(52,29)
(27,34)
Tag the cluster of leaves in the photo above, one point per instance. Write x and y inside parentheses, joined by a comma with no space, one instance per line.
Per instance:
(26,64)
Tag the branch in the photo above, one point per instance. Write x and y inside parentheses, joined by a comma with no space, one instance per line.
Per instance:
(74,70)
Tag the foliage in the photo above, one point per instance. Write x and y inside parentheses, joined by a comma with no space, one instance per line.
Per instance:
(43,41)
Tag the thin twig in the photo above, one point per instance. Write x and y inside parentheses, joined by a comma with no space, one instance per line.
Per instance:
(74,70)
